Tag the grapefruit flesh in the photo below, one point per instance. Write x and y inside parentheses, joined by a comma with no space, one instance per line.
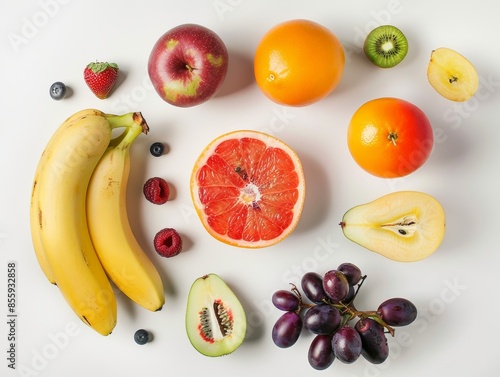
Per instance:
(248,189)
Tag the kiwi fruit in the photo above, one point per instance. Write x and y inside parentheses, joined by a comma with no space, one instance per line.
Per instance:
(215,319)
(386,46)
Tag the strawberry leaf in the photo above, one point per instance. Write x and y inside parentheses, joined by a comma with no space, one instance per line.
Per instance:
(98,67)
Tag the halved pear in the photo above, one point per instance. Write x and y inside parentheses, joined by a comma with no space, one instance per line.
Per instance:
(404,226)
(452,75)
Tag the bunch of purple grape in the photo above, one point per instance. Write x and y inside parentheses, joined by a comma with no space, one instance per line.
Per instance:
(341,331)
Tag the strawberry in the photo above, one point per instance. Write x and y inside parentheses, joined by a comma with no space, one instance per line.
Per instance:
(100,78)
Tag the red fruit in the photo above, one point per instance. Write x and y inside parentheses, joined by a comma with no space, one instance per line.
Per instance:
(168,243)
(156,190)
(188,65)
(100,78)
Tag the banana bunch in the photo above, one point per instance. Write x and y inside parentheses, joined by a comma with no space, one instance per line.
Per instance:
(78,218)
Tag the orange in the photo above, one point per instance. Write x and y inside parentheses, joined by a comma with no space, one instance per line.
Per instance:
(248,189)
(390,137)
(298,62)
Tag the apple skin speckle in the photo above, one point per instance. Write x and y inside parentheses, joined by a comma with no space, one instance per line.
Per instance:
(188,65)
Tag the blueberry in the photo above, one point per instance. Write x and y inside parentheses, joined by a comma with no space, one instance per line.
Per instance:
(141,337)
(156,149)
(57,90)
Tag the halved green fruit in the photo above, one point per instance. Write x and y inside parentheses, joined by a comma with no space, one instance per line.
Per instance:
(405,226)
(215,319)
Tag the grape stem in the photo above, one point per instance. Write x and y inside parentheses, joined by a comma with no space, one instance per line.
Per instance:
(349,311)
(302,304)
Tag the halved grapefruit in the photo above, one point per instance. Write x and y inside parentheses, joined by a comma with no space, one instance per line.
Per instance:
(248,189)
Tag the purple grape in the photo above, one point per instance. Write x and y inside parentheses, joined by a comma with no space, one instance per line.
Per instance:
(397,311)
(346,344)
(285,300)
(312,286)
(335,285)
(374,342)
(350,295)
(322,319)
(320,353)
(287,329)
(351,272)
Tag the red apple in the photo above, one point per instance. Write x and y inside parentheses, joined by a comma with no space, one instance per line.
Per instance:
(187,65)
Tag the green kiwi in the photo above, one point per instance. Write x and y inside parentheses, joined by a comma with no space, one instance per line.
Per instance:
(386,46)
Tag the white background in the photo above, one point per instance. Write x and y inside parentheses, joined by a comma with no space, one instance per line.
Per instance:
(455,289)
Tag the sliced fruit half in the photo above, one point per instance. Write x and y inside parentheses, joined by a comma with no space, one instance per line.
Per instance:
(215,319)
(405,226)
(452,75)
(248,189)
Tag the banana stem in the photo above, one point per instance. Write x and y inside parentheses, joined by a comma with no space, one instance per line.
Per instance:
(127,120)
(127,137)
(130,135)
(117,139)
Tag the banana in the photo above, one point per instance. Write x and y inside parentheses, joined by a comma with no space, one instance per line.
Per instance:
(34,208)
(121,255)
(61,183)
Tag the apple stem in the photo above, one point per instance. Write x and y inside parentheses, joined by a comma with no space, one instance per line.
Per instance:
(189,68)
(453,79)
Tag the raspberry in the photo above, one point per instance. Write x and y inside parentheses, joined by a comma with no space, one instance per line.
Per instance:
(168,243)
(156,190)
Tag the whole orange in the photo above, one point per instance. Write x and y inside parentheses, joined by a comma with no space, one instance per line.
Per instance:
(298,62)
(390,137)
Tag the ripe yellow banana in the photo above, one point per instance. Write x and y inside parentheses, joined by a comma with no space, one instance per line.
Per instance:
(63,175)
(121,255)
(34,208)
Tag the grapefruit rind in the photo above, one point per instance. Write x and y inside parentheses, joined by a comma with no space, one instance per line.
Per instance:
(230,198)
